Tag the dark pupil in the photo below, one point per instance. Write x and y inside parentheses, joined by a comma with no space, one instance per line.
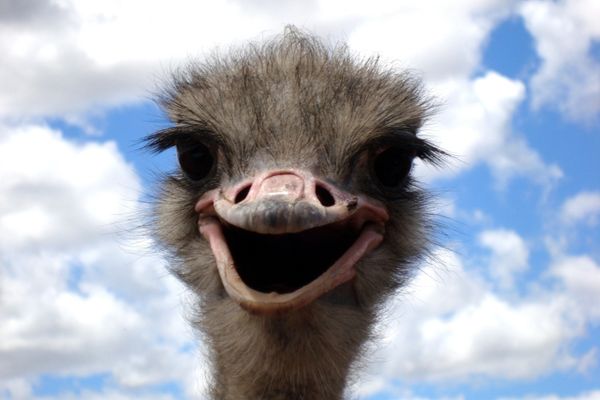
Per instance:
(195,159)
(392,165)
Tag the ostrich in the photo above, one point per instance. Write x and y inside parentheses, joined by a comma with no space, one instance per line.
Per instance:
(293,215)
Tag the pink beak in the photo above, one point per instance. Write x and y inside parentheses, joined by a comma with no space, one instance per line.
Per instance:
(285,202)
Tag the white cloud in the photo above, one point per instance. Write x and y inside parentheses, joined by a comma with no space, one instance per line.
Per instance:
(446,46)
(509,255)
(474,125)
(583,207)
(20,389)
(59,193)
(83,57)
(568,77)
(79,297)
(580,277)
(591,395)
(459,327)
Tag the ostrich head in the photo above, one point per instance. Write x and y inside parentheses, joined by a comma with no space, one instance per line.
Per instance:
(293,214)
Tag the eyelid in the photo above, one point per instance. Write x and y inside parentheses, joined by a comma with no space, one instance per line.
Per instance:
(375,151)
(422,148)
(380,144)
(403,139)
(169,137)
(190,142)
(204,136)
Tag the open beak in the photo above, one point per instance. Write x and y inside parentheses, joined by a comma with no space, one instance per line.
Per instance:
(284,238)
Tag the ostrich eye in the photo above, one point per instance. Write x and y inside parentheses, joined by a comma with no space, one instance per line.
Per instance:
(195,159)
(392,165)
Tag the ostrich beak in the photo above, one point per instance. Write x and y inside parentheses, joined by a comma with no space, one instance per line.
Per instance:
(284,238)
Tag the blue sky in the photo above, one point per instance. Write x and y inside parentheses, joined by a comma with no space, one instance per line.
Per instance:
(508,309)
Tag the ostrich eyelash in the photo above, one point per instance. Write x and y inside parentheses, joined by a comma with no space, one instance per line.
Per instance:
(169,137)
(422,148)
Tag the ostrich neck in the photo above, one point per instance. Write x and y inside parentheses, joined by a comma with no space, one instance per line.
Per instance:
(305,355)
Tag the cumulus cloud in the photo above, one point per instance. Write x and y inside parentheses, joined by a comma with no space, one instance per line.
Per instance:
(580,277)
(21,389)
(460,327)
(509,255)
(77,298)
(57,193)
(564,32)
(474,124)
(591,395)
(583,207)
(73,57)
(397,32)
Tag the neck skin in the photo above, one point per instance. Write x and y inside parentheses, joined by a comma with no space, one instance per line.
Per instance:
(305,354)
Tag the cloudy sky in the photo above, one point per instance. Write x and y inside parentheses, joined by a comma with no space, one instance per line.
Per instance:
(509,309)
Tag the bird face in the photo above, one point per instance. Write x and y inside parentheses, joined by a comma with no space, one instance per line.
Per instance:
(294,170)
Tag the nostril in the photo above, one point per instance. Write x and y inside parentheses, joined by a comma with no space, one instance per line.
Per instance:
(242,194)
(325,197)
